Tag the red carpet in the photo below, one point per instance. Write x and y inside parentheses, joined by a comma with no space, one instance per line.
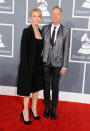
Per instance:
(71,116)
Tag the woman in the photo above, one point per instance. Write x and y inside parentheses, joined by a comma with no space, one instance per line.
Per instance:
(30,69)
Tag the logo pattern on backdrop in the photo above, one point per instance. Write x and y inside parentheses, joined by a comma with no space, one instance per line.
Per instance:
(80,45)
(43,6)
(1,43)
(81,8)
(7,6)
(85,47)
(86,4)
(6,40)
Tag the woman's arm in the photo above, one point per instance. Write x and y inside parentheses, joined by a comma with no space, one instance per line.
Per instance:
(24,51)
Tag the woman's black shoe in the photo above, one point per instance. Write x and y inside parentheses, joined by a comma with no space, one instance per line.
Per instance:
(35,117)
(25,122)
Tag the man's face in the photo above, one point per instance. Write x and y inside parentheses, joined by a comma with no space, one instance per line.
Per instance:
(56,16)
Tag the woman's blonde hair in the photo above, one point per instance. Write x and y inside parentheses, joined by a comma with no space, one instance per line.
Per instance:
(36,10)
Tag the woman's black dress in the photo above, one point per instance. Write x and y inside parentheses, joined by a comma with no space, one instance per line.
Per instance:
(38,70)
(30,74)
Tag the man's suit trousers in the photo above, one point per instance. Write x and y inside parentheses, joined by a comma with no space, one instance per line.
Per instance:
(51,79)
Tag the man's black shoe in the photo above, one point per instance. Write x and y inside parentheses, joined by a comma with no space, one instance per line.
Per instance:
(47,111)
(53,114)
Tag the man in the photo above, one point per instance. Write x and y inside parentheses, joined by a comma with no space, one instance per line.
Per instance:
(55,59)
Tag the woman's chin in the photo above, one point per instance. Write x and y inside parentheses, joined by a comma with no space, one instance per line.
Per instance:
(36,24)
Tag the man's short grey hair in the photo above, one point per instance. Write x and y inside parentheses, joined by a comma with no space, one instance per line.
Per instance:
(57,7)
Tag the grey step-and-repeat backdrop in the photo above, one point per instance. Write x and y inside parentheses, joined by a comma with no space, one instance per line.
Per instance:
(76,15)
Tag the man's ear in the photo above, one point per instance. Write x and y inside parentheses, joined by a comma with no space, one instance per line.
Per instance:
(61,16)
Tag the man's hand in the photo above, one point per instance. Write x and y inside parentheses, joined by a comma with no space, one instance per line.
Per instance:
(63,71)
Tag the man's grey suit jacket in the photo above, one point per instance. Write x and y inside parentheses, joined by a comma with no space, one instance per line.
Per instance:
(61,49)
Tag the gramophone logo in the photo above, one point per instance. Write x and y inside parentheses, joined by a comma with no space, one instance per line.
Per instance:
(43,5)
(2,1)
(81,9)
(6,40)
(86,4)
(85,49)
(1,43)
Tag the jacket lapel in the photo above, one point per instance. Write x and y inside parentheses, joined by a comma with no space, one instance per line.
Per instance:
(48,33)
(59,36)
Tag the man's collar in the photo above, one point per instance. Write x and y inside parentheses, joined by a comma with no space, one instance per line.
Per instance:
(55,26)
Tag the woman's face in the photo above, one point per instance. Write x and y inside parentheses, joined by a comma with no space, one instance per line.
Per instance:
(35,18)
